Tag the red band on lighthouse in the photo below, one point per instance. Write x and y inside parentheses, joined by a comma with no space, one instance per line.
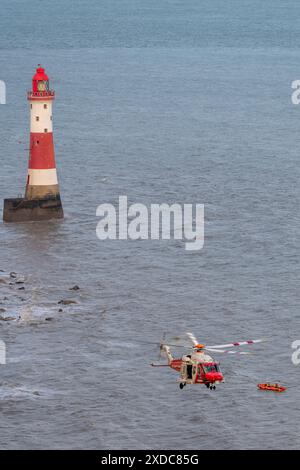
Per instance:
(42,178)
(41,155)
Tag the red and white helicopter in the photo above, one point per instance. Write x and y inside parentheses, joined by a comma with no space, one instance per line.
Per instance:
(198,367)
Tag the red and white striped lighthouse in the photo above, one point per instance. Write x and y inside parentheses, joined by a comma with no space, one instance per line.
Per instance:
(42,198)
(42,177)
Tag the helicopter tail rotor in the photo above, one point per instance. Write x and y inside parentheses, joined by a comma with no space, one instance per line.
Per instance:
(161,346)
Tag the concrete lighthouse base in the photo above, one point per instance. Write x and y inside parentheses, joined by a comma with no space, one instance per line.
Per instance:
(26,210)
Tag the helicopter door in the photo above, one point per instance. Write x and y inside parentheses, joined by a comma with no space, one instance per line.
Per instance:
(183,371)
(200,374)
(194,373)
(189,371)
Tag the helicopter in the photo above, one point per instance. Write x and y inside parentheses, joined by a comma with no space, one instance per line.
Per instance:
(197,367)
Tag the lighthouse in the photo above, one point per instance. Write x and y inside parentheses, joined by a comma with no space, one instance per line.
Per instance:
(42,196)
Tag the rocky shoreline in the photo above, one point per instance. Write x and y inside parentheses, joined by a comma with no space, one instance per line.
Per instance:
(19,303)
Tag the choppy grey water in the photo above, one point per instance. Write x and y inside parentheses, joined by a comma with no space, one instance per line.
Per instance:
(164,102)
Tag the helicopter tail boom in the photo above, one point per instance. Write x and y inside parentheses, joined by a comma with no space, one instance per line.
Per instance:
(166,350)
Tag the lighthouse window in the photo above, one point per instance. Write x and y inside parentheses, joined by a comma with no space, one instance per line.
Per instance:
(51,118)
(46,130)
(37,118)
(45,106)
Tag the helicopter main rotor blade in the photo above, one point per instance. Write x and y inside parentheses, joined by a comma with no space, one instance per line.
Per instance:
(240,343)
(157,343)
(192,338)
(159,365)
(223,351)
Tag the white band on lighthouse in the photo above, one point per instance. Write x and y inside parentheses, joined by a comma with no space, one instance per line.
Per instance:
(40,116)
(42,177)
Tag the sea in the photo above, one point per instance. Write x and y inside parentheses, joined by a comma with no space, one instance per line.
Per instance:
(162,101)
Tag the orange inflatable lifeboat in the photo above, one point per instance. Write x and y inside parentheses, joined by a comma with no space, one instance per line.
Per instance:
(272,387)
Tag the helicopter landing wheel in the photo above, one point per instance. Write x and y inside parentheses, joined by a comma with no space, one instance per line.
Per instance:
(181,385)
(214,387)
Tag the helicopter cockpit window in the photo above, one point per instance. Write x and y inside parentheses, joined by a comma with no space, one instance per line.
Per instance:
(211,368)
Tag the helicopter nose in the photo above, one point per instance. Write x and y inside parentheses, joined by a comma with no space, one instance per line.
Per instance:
(214,377)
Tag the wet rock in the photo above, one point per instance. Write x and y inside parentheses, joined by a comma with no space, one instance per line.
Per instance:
(36,393)
(60,310)
(6,318)
(67,302)
(75,287)
(13,275)
(19,282)
(2,281)
(48,319)
(21,288)
(2,310)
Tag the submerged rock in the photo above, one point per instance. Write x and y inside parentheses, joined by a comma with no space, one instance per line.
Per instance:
(6,318)
(75,287)
(67,302)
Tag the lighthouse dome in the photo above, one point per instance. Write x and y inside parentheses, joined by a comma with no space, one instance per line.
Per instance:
(40,74)
(40,81)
